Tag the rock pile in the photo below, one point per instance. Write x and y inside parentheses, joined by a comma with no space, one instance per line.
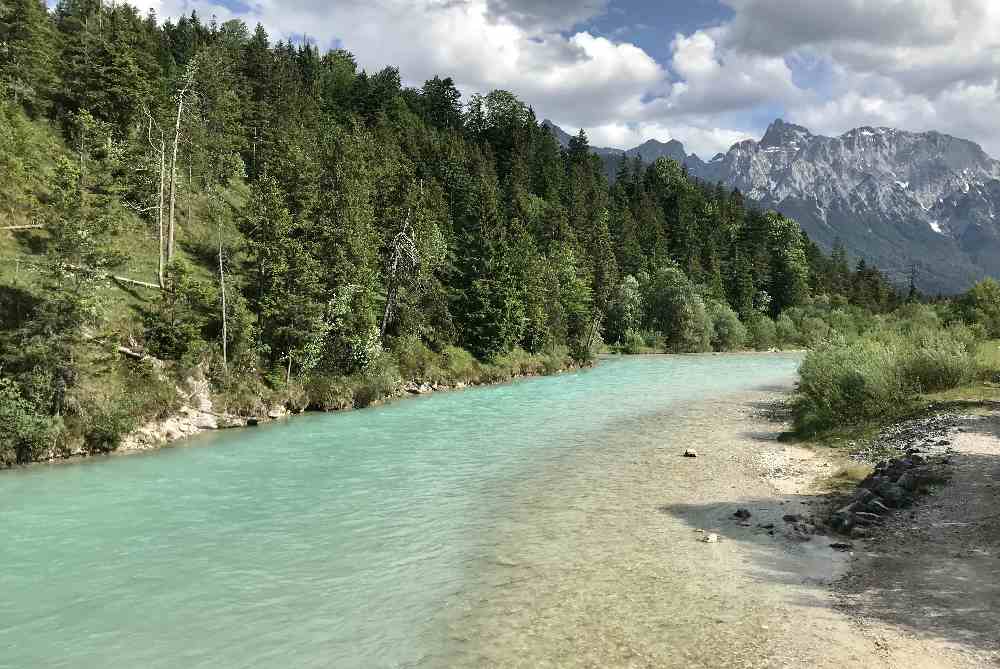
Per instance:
(894,485)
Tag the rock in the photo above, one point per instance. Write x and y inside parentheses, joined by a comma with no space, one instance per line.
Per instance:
(862,495)
(690,453)
(892,494)
(711,538)
(790,518)
(840,546)
(860,533)
(742,513)
(866,518)
(768,526)
(876,506)
(206,421)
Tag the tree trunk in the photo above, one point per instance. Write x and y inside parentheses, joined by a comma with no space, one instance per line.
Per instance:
(173,177)
(222,291)
(159,214)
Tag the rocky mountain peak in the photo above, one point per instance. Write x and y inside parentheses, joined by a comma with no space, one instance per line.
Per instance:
(785,135)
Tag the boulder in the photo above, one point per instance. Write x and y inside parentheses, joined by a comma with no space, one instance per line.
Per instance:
(893,495)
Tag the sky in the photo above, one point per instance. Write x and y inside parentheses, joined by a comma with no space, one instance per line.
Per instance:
(706,72)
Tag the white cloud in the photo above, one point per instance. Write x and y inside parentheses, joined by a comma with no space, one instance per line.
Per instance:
(915,64)
(703,140)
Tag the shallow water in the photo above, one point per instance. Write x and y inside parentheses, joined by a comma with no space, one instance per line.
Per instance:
(351,540)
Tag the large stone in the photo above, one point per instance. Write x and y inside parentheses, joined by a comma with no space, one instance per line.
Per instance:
(893,495)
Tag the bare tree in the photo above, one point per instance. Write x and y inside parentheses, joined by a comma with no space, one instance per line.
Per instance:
(161,151)
(222,292)
(184,95)
(403,255)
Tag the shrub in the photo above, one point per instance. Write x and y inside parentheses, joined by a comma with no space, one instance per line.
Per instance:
(152,392)
(850,383)
(814,331)
(416,361)
(785,332)
(378,380)
(761,332)
(24,434)
(936,361)
(459,365)
(329,392)
(106,423)
(728,333)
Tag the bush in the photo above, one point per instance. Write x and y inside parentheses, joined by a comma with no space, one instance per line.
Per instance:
(416,361)
(152,392)
(106,423)
(785,332)
(379,379)
(24,434)
(850,383)
(728,333)
(937,361)
(761,332)
(459,365)
(329,392)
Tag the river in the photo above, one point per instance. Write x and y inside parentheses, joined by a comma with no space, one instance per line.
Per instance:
(405,535)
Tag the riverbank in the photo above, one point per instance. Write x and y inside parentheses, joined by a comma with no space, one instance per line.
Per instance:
(658,570)
(197,414)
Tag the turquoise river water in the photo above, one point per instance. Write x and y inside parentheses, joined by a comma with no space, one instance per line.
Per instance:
(338,540)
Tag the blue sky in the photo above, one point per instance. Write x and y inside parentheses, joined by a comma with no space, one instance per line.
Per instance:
(706,72)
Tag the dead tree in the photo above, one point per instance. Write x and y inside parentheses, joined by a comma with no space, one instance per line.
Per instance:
(161,150)
(403,255)
(184,94)
(222,292)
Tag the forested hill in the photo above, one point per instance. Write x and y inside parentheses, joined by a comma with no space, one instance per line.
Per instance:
(344,221)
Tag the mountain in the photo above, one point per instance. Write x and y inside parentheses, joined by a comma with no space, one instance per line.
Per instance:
(903,200)
(648,151)
(900,199)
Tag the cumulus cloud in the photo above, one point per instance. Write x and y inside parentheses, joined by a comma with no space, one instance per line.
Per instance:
(549,15)
(915,64)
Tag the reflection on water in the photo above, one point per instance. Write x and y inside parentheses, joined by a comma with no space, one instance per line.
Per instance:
(450,529)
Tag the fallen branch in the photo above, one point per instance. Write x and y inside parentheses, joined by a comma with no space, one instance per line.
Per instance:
(135,282)
(23,227)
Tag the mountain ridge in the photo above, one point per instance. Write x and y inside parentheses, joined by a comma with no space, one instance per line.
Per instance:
(916,203)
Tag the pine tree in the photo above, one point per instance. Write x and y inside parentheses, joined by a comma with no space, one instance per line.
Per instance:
(27,54)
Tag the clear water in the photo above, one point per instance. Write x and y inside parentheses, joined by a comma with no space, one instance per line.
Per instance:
(343,540)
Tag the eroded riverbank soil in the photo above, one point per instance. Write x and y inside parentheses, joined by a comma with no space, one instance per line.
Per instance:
(606,566)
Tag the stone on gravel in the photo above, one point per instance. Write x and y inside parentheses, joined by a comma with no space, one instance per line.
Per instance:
(690,453)
(711,538)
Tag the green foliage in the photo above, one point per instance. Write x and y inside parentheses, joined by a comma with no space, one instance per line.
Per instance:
(728,333)
(850,384)
(106,423)
(677,310)
(762,334)
(24,432)
(367,233)
(880,375)
(183,314)
(981,304)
